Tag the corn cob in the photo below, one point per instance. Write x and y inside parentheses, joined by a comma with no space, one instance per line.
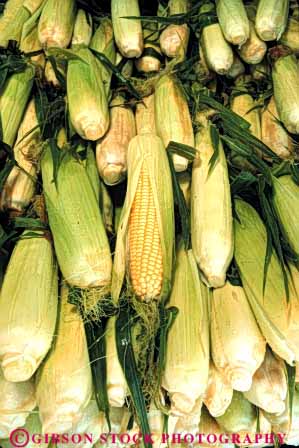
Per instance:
(219,392)
(233,21)
(150,60)
(64,384)
(145,116)
(174,38)
(28,307)
(173,120)
(254,49)
(236,357)
(56,23)
(112,150)
(88,112)
(213,242)
(187,357)
(19,188)
(273,134)
(269,385)
(83,252)
(82,29)
(13,100)
(16,402)
(236,69)
(271,18)
(290,37)
(218,53)
(103,42)
(128,33)
(268,302)
(146,229)
(285,76)
(116,383)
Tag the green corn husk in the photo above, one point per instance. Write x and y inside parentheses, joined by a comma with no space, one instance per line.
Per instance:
(28,307)
(82,29)
(218,53)
(269,303)
(82,251)
(29,42)
(13,100)
(127,69)
(186,371)
(233,21)
(87,101)
(33,427)
(271,18)
(103,42)
(285,76)
(208,425)
(290,37)
(185,185)
(254,49)
(117,215)
(260,71)
(147,160)
(219,392)
(293,308)
(128,33)
(56,23)
(92,172)
(12,22)
(293,433)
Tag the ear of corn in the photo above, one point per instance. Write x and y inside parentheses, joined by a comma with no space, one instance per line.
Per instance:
(188,423)
(82,29)
(273,134)
(56,23)
(50,75)
(112,150)
(145,116)
(218,53)
(87,101)
(238,347)
(285,76)
(13,102)
(146,229)
(128,33)
(27,307)
(187,357)
(293,308)
(293,433)
(29,42)
(16,402)
(174,40)
(64,384)
(254,49)
(236,69)
(150,60)
(271,18)
(20,186)
(269,304)
(290,37)
(11,24)
(233,21)
(82,248)
(116,383)
(173,120)
(211,214)
(269,385)
(219,392)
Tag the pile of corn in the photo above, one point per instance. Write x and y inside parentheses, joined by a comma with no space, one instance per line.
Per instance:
(149,231)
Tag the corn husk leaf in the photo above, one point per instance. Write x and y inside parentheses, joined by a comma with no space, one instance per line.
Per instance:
(219,392)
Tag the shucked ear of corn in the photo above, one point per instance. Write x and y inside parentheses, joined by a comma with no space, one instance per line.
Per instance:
(187,355)
(144,247)
(238,347)
(269,303)
(233,21)
(80,239)
(271,18)
(28,307)
(211,214)
(56,23)
(112,149)
(173,119)
(64,385)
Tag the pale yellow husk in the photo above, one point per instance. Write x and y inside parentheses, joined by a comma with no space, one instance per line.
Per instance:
(117,389)
(80,240)
(172,115)
(219,392)
(211,213)
(20,185)
(269,386)
(127,32)
(208,425)
(188,423)
(111,150)
(290,37)
(17,400)
(269,303)
(147,152)
(238,347)
(187,356)
(28,307)
(64,383)
(254,49)
(82,29)
(271,18)
(56,23)
(233,21)
(273,134)
(218,53)
(145,116)
(174,40)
